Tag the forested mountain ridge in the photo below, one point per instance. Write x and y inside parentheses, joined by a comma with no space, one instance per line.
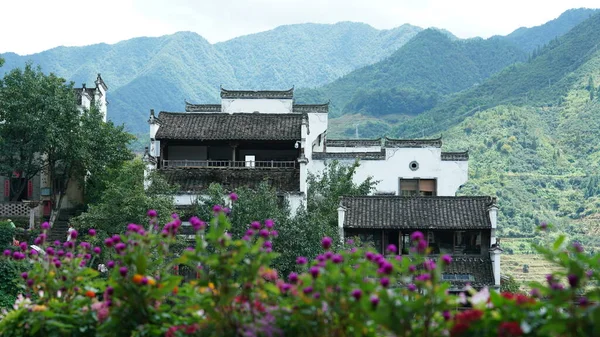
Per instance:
(531,38)
(162,72)
(418,75)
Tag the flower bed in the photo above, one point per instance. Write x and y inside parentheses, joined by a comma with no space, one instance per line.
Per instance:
(343,292)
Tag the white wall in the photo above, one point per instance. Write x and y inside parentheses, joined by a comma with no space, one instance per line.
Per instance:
(260,105)
(354,149)
(317,124)
(450,175)
(296,201)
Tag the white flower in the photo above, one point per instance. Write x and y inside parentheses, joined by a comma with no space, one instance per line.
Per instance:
(480,297)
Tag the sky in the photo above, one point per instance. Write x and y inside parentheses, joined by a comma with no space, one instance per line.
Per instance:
(31,26)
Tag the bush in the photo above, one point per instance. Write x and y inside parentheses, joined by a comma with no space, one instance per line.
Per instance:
(350,292)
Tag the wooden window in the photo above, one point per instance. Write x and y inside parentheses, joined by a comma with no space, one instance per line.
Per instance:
(418,187)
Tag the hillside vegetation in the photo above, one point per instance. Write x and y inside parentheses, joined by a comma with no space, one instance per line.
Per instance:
(160,73)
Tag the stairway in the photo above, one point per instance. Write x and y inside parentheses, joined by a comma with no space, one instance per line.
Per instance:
(61,224)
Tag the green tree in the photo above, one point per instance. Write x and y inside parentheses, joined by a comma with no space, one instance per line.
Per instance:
(326,188)
(591,88)
(45,131)
(126,201)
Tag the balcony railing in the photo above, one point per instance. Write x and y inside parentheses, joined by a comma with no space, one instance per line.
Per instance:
(264,164)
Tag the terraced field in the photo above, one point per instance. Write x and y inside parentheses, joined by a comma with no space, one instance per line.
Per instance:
(538,267)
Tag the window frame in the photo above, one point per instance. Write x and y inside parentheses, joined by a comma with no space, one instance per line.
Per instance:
(418,192)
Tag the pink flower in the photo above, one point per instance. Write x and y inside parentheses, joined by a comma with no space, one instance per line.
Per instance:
(385,282)
(233,196)
(255,225)
(123,271)
(293,277)
(417,236)
(374,300)
(392,248)
(326,242)
(92,232)
(152,213)
(447,259)
(314,271)
(337,258)
(269,223)
(45,225)
(301,260)
(356,293)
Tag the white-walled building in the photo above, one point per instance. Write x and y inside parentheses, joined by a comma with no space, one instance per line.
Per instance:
(263,135)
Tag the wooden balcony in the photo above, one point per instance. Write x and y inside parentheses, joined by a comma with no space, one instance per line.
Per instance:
(270,164)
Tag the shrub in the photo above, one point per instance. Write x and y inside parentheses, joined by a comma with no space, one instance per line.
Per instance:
(350,292)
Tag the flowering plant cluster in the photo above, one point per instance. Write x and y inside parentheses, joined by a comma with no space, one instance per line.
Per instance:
(348,291)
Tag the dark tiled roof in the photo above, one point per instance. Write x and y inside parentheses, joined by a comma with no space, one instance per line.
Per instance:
(349,155)
(249,94)
(455,156)
(79,92)
(196,180)
(389,142)
(224,126)
(189,107)
(396,212)
(480,267)
(305,108)
(352,142)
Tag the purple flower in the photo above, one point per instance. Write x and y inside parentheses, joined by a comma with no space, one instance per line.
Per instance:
(274,233)
(233,196)
(87,256)
(369,256)
(412,268)
(573,280)
(144,280)
(60,253)
(446,314)
(423,277)
(97,250)
(578,247)
(293,277)
(197,224)
(85,245)
(421,246)
(29,282)
(535,292)
(69,255)
(110,290)
(92,232)
(108,242)
(349,242)
(57,243)
(412,287)
(110,264)
(74,234)
(583,301)
(69,244)
(316,295)
(429,265)
(267,244)
(314,271)
(337,258)
(269,223)
(7,252)
(284,287)
(57,263)
(326,242)
(301,260)
(18,256)
(152,213)
(246,238)
(550,278)
(120,246)
(356,293)
(417,236)
(385,282)
(175,216)
(263,233)
(217,208)
(45,225)
(447,259)
(392,249)
(37,241)
(255,225)
(386,268)
(23,246)
(307,290)
(24,275)
(557,286)
(543,225)
(123,271)
(374,300)
(398,257)
(589,273)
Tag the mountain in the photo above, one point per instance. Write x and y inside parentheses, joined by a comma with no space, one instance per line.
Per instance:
(532,133)
(416,76)
(162,72)
(529,39)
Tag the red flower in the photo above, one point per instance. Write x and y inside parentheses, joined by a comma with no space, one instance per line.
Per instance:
(509,329)
(519,298)
(463,321)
